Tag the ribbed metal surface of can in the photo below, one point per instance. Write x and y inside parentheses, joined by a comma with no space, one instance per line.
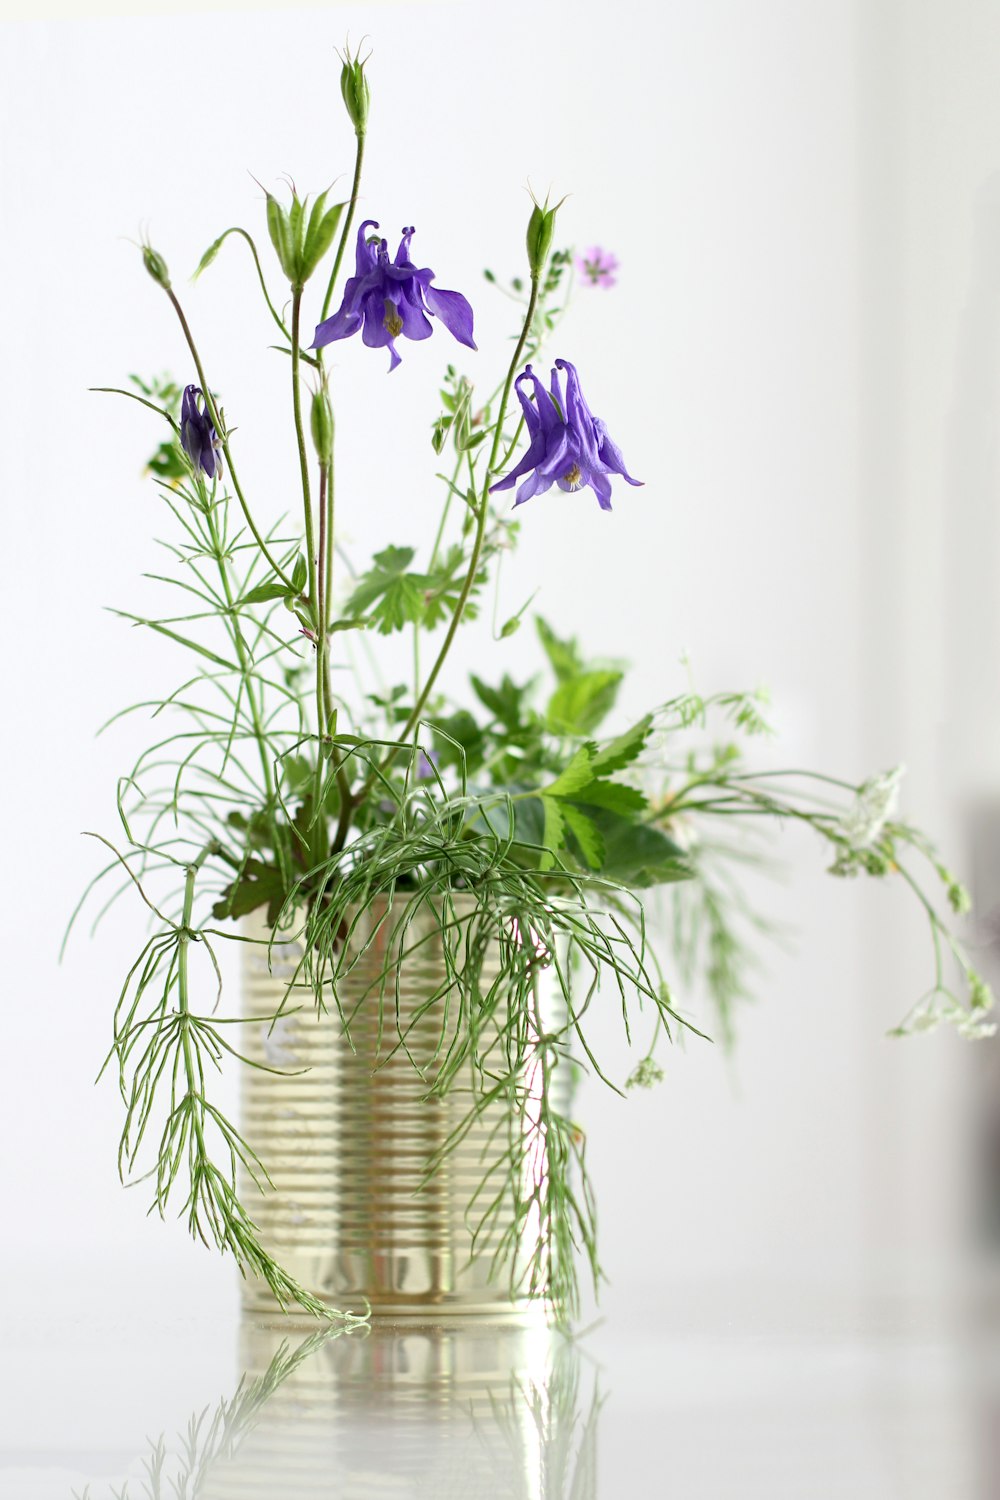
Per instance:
(345,1132)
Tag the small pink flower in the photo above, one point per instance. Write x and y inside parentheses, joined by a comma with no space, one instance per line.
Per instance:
(597,267)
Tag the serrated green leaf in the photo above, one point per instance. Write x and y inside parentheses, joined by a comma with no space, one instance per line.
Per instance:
(553,832)
(260,885)
(579,703)
(586,833)
(578,773)
(563,655)
(621,752)
(639,855)
(506,702)
(615,796)
(389,595)
(459,741)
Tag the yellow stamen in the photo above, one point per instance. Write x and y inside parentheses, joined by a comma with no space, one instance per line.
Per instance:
(573,476)
(392,322)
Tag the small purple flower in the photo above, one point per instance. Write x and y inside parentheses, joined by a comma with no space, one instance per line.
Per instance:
(569,446)
(597,267)
(387,298)
(199,438)
(427,764)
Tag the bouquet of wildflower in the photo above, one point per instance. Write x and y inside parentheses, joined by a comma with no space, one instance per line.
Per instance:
(504,807)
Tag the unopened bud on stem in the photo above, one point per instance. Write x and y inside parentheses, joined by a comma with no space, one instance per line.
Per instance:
(156,266)
(541,227)
(357,94)
(321,426)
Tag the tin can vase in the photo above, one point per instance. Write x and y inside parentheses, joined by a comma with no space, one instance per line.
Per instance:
(345,1131)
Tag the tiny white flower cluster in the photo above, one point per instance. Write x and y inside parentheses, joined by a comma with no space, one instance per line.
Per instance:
(645,1075)
(873,806)
(940,1008)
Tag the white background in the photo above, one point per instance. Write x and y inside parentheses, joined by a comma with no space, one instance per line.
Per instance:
(801,362)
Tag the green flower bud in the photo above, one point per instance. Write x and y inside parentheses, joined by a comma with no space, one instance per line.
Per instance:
(301,240)
(357,94)
(156,266)
(321,426)
(541,227)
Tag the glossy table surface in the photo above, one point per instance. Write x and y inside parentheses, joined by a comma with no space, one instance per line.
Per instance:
(711,1392)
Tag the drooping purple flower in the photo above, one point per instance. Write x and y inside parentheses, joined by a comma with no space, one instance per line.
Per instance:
(597,267)
(568,445)
(387,298)
(199,438)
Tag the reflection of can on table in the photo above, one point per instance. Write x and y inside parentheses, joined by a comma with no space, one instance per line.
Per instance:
(449,1412)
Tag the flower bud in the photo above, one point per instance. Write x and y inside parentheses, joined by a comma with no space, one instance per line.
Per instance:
(357,94)
(156,266)
(301,238)
(321,425)
(541,227)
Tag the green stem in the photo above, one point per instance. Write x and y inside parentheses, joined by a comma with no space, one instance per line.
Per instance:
(244,659)
(184,938)
(236,229)
(300,437)
(477,546)
(329,510)
(352,205)
(416,661)
(444,512)
(328,513)
(213,412)
(324,704)
(322,684)
(190,1068)
(316,572)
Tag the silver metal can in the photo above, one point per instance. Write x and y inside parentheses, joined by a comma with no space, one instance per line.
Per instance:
(345,1131)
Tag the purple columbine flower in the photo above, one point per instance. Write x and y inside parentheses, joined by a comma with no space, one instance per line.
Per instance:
(199,438)
(387,298)
(597,267)
(569,446)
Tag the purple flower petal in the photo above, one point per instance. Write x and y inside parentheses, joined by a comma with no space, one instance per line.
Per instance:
(416,324)
(611,455)
(535,485)
(199,438)
(454,311)
(403,253)
(601,486)
(341,325)
(531,460)
(364,254)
